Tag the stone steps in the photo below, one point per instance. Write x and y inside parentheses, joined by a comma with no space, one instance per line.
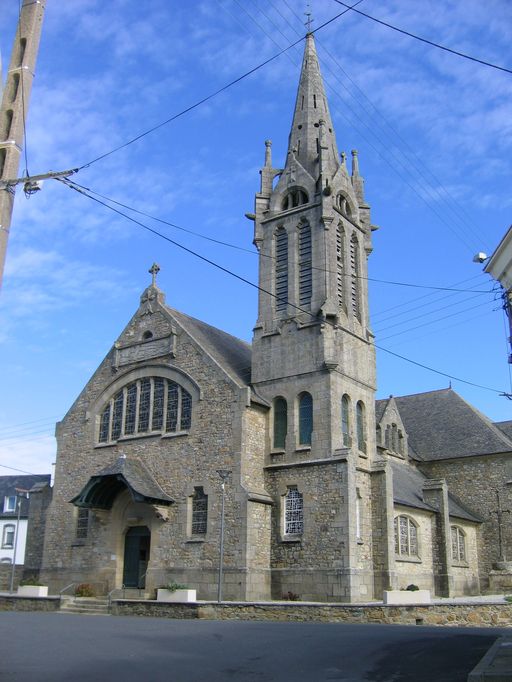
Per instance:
(92,606)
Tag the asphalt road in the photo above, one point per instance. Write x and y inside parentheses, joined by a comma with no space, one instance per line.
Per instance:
(56,647)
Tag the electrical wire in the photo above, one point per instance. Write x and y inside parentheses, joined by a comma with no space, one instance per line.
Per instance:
(77,189)
(424,40)
(23,110)
(208,97)
(255,253)
(407,163)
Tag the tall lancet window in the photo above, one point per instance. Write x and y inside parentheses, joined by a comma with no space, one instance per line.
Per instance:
(340,265)
(281,245)
(355,277)
(305,274)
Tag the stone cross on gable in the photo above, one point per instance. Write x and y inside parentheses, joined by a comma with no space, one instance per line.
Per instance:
(153,271)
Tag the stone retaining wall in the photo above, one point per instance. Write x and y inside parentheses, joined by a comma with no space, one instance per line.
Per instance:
(16,603)
(473,615)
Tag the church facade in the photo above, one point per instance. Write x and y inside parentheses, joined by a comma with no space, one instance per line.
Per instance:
(328,494)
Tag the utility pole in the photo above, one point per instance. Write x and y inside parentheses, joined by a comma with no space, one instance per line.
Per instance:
(14,108)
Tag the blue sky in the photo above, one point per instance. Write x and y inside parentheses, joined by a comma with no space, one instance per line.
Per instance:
(434,135)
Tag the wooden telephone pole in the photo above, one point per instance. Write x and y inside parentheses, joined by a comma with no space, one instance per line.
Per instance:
(14,108)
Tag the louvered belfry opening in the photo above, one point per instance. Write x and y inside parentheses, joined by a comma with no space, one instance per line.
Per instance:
(281,269)
(305,274)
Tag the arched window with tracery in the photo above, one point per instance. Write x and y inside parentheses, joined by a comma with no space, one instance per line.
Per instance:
(406,537)
(145,406)
(305,418)
(281,272)
(355,284)
(280,423)
(294,198)
(305,271)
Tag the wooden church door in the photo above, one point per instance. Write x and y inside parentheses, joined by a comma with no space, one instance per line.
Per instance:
(136,556)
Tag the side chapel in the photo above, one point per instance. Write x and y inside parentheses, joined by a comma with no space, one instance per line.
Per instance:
(330,495)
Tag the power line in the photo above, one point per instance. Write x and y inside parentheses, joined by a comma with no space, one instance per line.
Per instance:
(73,186)
(210,96)
(254,253)
(424,40)
(21,471)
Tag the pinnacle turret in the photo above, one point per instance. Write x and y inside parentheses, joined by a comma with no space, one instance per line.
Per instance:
(312,113)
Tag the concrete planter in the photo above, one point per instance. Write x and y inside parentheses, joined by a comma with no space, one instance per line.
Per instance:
(406,597)
(33,590)
(176,595)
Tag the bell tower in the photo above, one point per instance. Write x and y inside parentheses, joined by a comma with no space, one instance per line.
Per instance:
(313,234)
(313,357)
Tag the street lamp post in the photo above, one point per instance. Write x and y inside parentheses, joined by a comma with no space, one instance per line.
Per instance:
(16,533)
(224,474)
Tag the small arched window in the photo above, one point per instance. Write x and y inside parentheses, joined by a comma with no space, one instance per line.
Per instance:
(345,421)
(147,335)
(199,512)
(458,544)
(148,405)
(406,536)
(305,418)
(280,423)
(361,426)
(294,198)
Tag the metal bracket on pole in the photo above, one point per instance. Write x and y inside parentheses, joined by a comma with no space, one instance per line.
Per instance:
(32,183)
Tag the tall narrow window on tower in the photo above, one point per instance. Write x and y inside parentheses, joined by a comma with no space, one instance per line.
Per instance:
(354,277)
(280,423)
(305,275)
(340,265)
(305,418)
(281,245)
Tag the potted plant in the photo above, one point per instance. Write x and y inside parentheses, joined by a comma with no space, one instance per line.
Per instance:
(31,587)
(175,592)
(408,595)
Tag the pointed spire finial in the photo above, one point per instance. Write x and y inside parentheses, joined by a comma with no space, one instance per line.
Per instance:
(153,271)
(355,163)
(309,20)
(268,153)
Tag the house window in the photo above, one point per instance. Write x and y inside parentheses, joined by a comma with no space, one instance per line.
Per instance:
(281,261)
(406,537)
(280,423)
(305,273)
(293,512)
(146,406)
(458,544)
(305,418)
(199,512)
(8,536)
(82,523)
(345,421)
(354,277)
(361,426)
(10,503)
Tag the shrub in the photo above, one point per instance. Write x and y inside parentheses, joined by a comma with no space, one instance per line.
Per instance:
(31,581)
(173,586)
(412,588)
(84,590)
(291,596)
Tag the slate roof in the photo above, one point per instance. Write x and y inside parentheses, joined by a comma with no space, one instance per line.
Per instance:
(506,427)
(232,354)
(441,425)
(407,490)
(8,485)
(126,472)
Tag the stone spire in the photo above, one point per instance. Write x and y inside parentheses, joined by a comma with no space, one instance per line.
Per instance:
(306,140)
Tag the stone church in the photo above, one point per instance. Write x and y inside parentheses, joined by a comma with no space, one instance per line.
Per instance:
(328,494)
